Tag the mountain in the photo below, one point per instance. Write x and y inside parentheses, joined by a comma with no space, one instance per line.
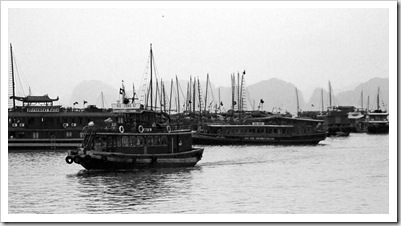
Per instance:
(354,97)
(90,91)
(278,95)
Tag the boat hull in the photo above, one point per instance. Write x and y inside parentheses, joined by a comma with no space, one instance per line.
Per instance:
(290,140)
(377,129)
(116,161)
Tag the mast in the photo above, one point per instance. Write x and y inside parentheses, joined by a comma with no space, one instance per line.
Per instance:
(151,78)
(238,97)
(367,109)
(171,95)
(232,91)
(378,98)
(322,100)
(12,74)
(101,94)
(157,88)
(329,94)
(164,95)
(178,95)
(194,94)
(207,82)
(296,92)
(362,99)
(219,101)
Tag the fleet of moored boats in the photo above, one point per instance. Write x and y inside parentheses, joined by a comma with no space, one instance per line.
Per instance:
(134,135)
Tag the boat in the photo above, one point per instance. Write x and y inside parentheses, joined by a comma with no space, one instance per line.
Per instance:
(245,127)
(276,129)
(37,122)
(336,120)
(138,137)
(378,119)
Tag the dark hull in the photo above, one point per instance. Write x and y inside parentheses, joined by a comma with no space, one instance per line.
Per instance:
(378,129)
(44,143)
(342,132)
(115,161)
(291,140)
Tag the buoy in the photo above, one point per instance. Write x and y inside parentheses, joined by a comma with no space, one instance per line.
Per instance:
(77,159)
(168,128)
(140,129)
(87,158)
(69,159)
(121,129)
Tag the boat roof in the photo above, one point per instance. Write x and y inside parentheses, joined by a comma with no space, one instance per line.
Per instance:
(34,99)
(285,118)
(378,113)
(355,116)
(253,126)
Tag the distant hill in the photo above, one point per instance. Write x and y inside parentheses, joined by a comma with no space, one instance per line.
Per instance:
(354,97)
(90,91)
(278,95)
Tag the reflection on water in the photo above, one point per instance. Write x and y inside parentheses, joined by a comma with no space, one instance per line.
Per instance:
(340,175)
(125,191)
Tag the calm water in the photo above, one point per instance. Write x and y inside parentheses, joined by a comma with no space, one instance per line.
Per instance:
(340,175)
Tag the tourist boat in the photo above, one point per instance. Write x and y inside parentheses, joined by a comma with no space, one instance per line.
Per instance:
(275,129)
(38,123)
(138,137)
(378,119)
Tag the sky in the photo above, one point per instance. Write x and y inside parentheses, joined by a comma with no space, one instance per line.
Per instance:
(57,48)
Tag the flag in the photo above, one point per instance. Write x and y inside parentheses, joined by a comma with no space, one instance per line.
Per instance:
(261,101)
(312,105)
(243,72)
(85,102)
(75,103)
(235,102)
(122,91)
(221,103)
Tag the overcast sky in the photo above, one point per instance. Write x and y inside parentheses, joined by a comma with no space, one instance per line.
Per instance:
(57,48)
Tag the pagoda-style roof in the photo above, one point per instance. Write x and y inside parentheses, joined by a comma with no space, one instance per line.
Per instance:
(34,99)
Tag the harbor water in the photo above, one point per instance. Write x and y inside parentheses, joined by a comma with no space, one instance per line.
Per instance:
(341,175)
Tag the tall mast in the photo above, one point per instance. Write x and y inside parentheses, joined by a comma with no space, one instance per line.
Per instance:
(378,98)
(178,96)
(232,90)
(362,99)
(322,100)
(238,98)
(329,94)
(207,83)
(194,94)
(296,92)
(171,96)
(151,78)
(219,100)
(200,98)
(101,93)
(157,88)
(12,74)
(367,107)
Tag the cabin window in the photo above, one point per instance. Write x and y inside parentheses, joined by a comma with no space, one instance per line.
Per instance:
(275,131)
(118,141)
(68,134)
(132,141)
(139,141)
(252,130)
(149,141)
(125,141)
(35,135)
(120,120)
(260,130)
(163,140)
(109,142)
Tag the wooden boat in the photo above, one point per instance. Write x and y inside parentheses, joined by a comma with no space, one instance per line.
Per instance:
(378,119)
(275,129)
(138,137)
(39,123)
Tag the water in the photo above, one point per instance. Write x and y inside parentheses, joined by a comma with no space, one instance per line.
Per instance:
(340,176)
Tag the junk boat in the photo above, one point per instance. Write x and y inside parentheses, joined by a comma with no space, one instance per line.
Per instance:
(275,129)
(136,136)
(378,119)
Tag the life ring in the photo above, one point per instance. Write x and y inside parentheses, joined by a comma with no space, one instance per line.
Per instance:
(69,159)
(121,129)
(87,158)
(65,125)
(168,129)
(140,129)
(52,136)
(77,159)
